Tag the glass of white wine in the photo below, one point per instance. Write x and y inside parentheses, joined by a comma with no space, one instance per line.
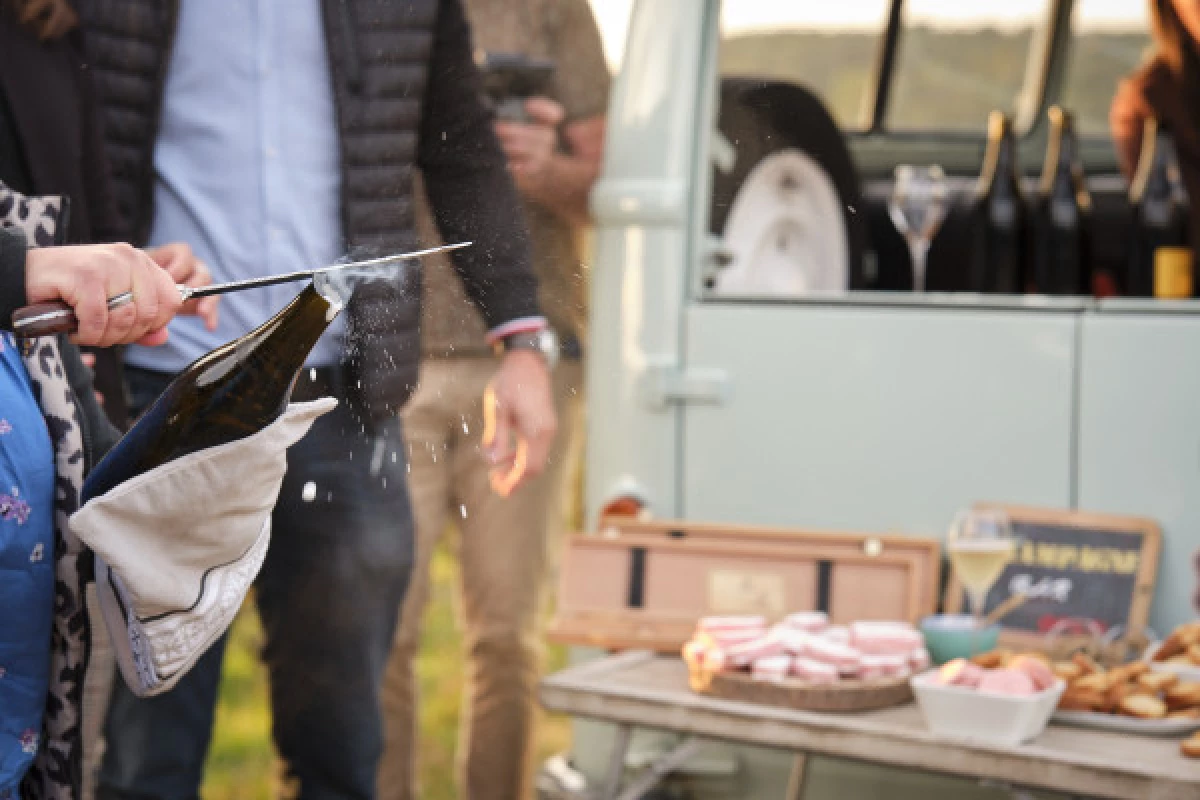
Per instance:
(981,544)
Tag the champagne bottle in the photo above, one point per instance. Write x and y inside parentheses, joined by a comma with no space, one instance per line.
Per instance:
(225,395)
(998,220)
(1062,216)
(1160,257)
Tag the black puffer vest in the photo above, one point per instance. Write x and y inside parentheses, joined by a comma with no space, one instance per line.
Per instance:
(379,52)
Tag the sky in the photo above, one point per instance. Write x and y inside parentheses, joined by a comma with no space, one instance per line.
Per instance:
(741,15)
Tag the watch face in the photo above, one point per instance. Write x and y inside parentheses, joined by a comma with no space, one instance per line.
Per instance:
(548,346)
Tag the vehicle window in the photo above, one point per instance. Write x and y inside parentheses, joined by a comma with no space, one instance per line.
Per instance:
(612,18)
(1109,38)
(958,61)
(829,48)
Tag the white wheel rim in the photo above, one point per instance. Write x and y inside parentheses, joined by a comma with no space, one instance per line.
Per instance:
(785,233)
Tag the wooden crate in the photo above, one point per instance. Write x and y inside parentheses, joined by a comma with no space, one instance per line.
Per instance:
(643,584)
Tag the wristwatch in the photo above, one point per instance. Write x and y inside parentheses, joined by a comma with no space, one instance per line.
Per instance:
(543,342)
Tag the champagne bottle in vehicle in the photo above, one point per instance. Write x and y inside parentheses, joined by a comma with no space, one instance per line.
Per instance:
(1160,254)
(225,395)
(998,219)
(1061,261)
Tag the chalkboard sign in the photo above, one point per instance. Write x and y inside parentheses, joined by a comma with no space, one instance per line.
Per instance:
(1073,566)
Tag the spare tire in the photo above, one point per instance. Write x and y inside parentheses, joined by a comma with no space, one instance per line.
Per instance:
(788,209)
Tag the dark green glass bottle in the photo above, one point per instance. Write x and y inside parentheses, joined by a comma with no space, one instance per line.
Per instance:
(1160,256)
(225,395)
(996,262)
(1062,216)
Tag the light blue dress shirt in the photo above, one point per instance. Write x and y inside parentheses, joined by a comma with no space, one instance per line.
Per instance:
(247,165)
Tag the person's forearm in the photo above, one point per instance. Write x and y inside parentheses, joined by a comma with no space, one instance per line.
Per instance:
(565,188)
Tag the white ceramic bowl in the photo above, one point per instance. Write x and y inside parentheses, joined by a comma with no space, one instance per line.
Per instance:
(983,716)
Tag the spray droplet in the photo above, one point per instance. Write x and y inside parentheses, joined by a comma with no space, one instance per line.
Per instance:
(377,456)
(462,509)
(465,427)
(309,492)
(312,374)
(393,458)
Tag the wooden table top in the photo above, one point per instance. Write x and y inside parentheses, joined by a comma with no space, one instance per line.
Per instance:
(650,691)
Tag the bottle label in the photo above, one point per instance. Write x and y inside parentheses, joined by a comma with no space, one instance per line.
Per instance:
(1173,272)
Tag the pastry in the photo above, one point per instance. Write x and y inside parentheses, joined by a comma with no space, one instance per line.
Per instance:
(991,659)
(1074,699)
(771,668)
(808,621)
(1008,682)
(1143,707)
(1086,663)
(1067,670)
(1042,657)
(1096,681)
(814,671)
(1119,691)
(1129,672)
(1171,646)
(1158,681)
(960,672)
(1190,747)
(1189,634)
(1193,654)
(1037,669)
(1185,694)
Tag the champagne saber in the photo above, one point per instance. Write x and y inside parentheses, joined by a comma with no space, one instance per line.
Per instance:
(44,319)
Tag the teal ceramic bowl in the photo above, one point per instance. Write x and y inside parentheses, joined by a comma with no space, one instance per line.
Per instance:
(951,636)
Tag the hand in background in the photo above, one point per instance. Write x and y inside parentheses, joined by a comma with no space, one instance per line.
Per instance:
(185,269)
(86,276)
(531,146)
(518,404)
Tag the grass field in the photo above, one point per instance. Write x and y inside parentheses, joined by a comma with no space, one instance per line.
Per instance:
(241,762)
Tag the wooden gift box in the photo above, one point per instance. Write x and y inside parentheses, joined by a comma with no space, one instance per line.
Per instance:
(644,584)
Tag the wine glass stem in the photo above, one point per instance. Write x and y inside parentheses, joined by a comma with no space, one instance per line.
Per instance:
(918,249)
(977,602)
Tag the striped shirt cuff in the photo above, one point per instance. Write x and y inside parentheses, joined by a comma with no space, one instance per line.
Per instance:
(519,325)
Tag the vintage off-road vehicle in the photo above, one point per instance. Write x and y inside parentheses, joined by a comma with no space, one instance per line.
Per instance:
(758,355)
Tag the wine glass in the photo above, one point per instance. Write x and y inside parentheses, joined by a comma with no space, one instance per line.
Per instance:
(981,544)
(918,208)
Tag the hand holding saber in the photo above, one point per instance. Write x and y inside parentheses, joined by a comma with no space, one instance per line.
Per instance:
(44,319)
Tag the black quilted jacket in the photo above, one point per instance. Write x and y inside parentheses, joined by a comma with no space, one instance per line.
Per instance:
(407,94)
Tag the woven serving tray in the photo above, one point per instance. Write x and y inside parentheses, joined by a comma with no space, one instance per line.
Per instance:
(801,695)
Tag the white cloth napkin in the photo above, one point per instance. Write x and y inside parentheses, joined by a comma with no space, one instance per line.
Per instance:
(178,547)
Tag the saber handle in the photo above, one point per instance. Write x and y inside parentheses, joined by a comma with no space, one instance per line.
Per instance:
(55,316)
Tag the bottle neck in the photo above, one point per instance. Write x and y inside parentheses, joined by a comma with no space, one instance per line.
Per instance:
(1001,167)
(1062,174)
(285,339)
(1170,167)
